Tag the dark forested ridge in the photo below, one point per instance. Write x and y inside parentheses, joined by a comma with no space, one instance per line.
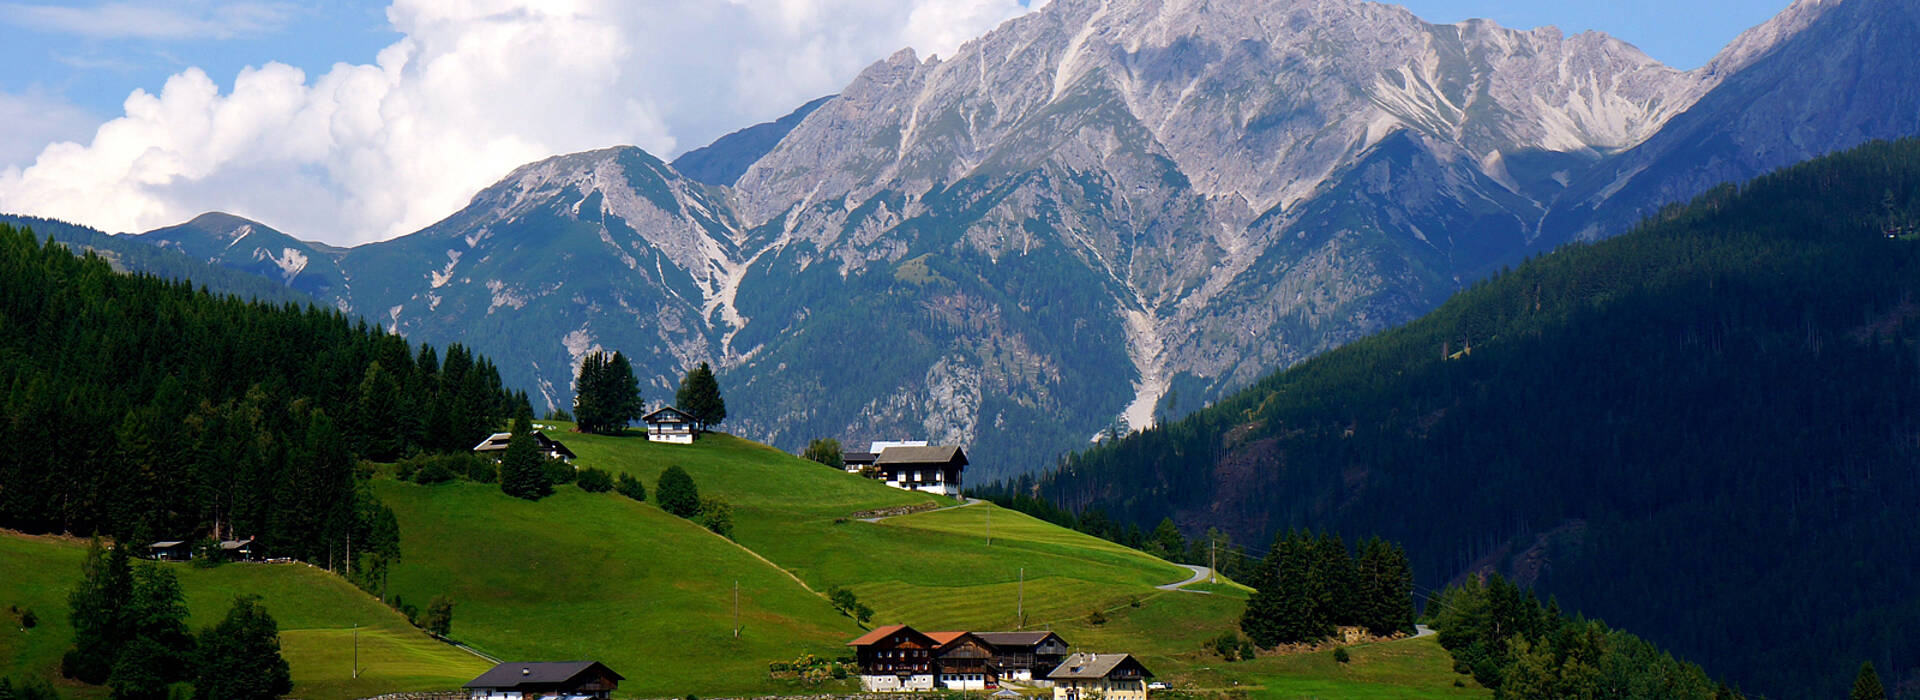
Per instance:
(130,254)
(1704,431)
(144,409)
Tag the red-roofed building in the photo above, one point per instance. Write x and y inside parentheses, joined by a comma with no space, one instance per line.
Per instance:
(963,661)
(895,658)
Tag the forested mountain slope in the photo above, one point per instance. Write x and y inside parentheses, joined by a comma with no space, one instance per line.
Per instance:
(1704,431)
(149,410)
(131,254)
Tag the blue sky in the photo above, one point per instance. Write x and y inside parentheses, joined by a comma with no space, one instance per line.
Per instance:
(358,120)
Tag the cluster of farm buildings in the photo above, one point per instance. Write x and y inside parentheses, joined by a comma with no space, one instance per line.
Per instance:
(892,659)
(898,658)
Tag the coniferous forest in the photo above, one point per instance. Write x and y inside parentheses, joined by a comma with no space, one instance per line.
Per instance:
(1705,430)
(142,409)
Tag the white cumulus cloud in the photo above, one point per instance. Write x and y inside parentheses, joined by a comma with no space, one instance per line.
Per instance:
(473,89)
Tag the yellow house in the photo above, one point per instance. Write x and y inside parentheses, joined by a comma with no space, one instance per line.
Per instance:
(1100,677)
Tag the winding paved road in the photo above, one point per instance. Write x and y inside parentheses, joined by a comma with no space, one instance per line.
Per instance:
(1200,573)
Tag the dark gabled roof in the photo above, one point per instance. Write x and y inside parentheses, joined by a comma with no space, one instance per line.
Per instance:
(922,455)
(498,442)
(668,412)
(546,674)
(1017,639)
(858,457)
(169,544)
(1083,666)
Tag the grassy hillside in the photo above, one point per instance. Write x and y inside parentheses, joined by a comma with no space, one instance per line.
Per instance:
(598,576)
(315,609)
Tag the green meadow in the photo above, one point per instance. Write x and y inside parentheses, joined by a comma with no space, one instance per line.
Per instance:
(316,611)
(659,599)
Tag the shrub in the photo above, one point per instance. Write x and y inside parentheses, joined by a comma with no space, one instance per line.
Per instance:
(28,620)
(630,487)
(559,472)
(1340,654)
(1227,645)
(717,516)
(595,480)
(677,494)
(433,472)
(439,616)
(1096,618)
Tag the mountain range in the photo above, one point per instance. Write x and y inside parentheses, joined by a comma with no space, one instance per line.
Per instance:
(1098,215)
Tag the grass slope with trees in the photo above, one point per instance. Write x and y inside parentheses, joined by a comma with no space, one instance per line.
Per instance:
(1702,430)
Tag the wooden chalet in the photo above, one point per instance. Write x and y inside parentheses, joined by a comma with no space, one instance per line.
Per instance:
(536,680)
(1102,676)
(1025,656)
(962,661)
(170,550)
(857,462)
(671,425)
(495,446)
(239,550)
(929,469)
(894,658)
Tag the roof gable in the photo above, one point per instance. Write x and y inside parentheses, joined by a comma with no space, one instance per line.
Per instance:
(667,414)
(882,634)
(1019,639)
(1084,666)
(922,455)
(516,674)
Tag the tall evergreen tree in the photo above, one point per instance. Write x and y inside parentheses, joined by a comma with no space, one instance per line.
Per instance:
(240,657)
(699,396)
(1866,685)
(1167,542)
(97,609)
(523,472)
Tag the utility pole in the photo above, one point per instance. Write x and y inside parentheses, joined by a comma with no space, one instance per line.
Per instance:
(1213,560)
(736,608)
(989,525)
(356,650)
(1020,608)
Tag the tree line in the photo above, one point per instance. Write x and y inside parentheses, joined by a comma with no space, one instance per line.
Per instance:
(1308,586)
(144,409)
(1501,635)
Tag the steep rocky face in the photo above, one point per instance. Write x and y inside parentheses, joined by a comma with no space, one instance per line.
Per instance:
(608,249)
(1822,76)
(1240,185)
(242,244)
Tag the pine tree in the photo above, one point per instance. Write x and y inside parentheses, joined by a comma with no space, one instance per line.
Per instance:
(240,657)
(1866,685)
(589,410)
(676,493)
(622,394)
(97,609)
(699,396)
(523,473)
(1167,542)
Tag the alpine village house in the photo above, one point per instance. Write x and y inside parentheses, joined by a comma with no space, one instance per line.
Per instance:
(898,658)
(914,466)
(545,680)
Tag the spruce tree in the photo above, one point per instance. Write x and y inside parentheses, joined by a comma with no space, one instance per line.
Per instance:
(676,493)
(622,394)
(240,657)
(589,409)
(1167,542)
(97,609)
(1866,685)
(523,473)
(699,396)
